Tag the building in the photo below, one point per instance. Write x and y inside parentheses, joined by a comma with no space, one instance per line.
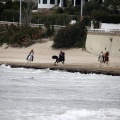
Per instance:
(35,1)
(61,3)
(107,38)
(52,3)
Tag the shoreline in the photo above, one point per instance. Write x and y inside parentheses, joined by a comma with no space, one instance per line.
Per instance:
(76,59)
(83,68)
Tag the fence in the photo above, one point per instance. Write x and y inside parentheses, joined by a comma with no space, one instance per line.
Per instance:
(99,31)
(31,24)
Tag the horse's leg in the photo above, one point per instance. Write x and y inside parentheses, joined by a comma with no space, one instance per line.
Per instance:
(55,62)
(28,62)
(106,62)
(62,62)
(100,64)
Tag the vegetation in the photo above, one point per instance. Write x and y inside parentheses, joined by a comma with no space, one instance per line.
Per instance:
(71,36)
(107,12)
(17,36)
(54,19)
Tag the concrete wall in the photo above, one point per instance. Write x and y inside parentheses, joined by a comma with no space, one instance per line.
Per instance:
(95,43)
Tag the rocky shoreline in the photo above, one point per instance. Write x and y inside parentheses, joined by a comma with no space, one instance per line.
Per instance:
(81,68)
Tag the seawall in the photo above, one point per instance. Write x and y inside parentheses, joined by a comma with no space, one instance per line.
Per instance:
(97,42)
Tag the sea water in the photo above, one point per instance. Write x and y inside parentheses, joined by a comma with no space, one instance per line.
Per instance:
(43,94)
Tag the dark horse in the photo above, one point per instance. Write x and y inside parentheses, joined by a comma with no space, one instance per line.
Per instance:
(58,59)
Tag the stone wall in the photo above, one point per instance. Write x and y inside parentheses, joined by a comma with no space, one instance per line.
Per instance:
(97,42)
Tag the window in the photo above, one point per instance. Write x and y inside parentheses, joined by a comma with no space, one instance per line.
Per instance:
(44,1)
(52,1)
(39,1)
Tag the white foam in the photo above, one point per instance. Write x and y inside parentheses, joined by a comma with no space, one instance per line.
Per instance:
(6,66)
(86,114)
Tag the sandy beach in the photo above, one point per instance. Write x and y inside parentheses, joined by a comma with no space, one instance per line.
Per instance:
(75,59)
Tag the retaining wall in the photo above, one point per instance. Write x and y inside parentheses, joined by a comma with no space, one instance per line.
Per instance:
(97,42)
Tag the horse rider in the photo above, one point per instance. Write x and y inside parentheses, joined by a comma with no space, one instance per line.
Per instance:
(61,56)
(106,57)
(101,58)
(31,53)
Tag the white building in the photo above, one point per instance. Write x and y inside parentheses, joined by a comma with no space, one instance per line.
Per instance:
(107,38)
(47,3)
(52,3)
(61,3)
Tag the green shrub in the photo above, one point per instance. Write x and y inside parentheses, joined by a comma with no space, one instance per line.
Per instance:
(71,36)
(54,19)
(104,17)
(20,36)
(59,10)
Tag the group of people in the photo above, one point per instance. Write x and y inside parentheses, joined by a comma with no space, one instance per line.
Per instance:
(61,57)
(103,57)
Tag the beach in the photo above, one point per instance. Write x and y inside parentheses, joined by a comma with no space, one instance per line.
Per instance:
(76,59)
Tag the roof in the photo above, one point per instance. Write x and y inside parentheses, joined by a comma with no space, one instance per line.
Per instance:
(109,26)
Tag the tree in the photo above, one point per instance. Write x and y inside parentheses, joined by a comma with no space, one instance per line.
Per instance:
(1,7)
(112,5)
(90,6)
(26,14)
(8,5)
(71,36)
(69,6)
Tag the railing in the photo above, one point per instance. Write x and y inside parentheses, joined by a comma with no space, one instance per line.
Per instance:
(31,24)
(115,31)
(8,23)
(57,27)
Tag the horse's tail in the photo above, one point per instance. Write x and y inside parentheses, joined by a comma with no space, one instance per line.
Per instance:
(54,57)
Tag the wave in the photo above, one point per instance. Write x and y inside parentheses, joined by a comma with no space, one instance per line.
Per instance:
(86,114)
(5,66)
